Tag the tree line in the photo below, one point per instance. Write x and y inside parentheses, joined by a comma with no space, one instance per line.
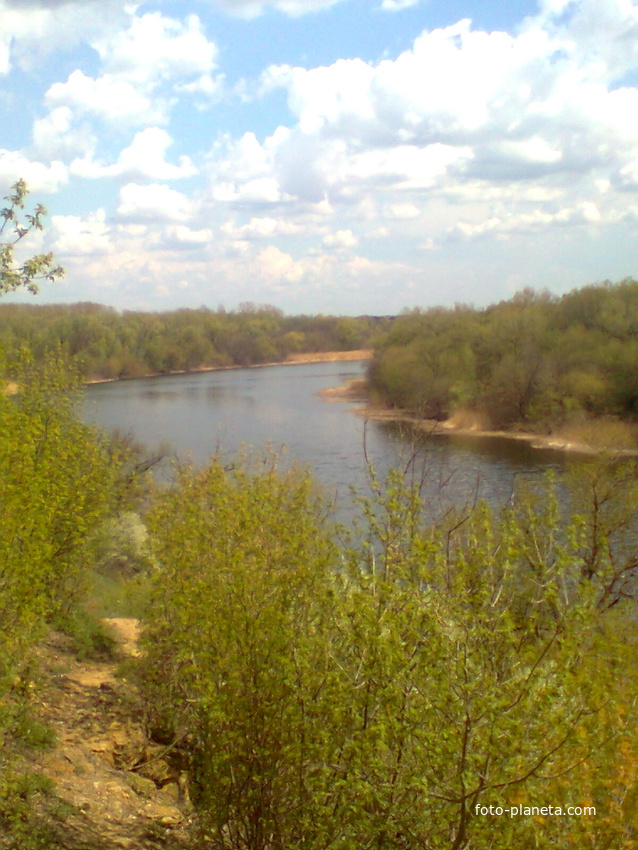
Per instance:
(536,360)
(108,344)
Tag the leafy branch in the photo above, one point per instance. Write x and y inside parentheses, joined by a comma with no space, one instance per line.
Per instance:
(16,226)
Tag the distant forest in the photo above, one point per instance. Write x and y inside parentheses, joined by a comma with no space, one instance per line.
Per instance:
(534,361)
(107,344)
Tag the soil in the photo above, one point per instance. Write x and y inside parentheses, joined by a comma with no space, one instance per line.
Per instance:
(119,790)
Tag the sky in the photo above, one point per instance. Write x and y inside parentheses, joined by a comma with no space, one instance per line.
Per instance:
(323,156)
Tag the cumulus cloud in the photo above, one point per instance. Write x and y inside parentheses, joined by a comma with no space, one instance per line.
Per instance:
(141,65)
(403,211)
(398,5)
(586,212)
(154,202)
(263,227)
(341,240)
(278,266)
(180,237)
(30,30)
(461,117)
(143,159)
(76,236)
(109,98)
(56,136)
(38,176)
(241,171)
(155,48)
(466,135)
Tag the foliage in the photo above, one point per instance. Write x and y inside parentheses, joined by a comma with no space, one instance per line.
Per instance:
(120,546)
(535,360)
(58,480)
(374,696)
(233,643)
(28,812)
(107,344)
(14,275)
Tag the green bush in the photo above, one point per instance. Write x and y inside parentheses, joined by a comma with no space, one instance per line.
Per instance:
(374,695)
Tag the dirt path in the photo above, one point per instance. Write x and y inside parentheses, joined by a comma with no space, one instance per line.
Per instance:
(120,792)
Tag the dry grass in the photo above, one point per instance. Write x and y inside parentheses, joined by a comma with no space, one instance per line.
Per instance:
(602,433)
(329,356)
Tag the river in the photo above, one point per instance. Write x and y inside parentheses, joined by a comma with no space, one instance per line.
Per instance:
(198,414)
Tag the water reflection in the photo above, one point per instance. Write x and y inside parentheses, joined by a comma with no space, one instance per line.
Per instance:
(219,412)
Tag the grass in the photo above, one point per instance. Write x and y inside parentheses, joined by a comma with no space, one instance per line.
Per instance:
(604,433)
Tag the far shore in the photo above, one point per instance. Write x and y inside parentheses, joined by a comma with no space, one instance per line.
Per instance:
(291,360)
(355,391)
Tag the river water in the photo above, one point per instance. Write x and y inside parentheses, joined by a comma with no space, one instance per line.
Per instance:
(202,413)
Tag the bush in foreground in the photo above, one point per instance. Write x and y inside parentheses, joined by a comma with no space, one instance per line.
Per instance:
(374,696)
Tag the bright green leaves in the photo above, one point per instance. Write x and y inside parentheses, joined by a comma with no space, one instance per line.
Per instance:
(373,696)
(236,648)
(26,274)
(56,484)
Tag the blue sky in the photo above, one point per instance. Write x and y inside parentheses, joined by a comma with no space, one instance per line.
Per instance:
(324,156)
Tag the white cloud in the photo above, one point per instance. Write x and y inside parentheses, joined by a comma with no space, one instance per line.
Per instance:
(242,170)
(465,135)
(585,212)
(180,237)
(77,236)
(342,239)
(398,5)
(277,266)
(263,227)
(31,31)
(403,211)
(38,176)
(56,137)
(112,99)
(253,8)
(154,202)
(156,48)
(207,88)
(143,159)
(462,117)
(142,67)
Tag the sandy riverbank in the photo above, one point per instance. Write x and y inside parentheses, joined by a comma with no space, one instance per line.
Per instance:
(461,425)
(291,360)
(432,426)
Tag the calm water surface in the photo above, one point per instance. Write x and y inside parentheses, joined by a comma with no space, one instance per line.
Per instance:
(209,412)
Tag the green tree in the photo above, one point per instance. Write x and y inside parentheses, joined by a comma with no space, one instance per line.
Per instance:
(13,274)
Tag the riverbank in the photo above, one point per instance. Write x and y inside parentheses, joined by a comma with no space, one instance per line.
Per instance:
(449,427)
(292,360)
(467,425)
